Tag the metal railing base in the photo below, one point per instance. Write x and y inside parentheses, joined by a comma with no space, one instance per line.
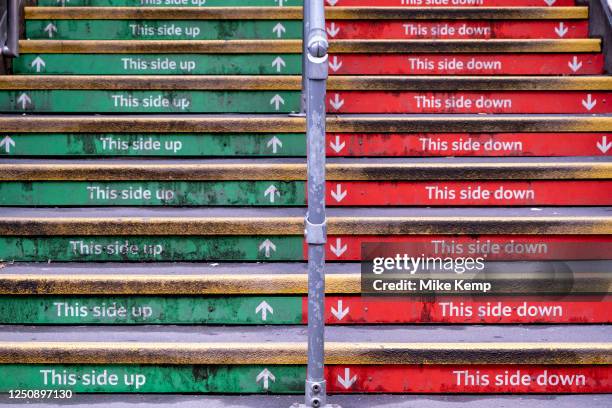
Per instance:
(297,114)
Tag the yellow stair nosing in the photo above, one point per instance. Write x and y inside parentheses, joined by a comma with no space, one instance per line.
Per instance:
(285,124)
(295,13)
(288,225)
(33,352)
(293,83)
(261,284)
(336,171)
(295,46)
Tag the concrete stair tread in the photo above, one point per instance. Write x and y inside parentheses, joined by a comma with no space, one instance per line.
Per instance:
(475,344)
(358,212)
(287,82)
(295,13)
(160,269)
(579,45)
(367,169)
(159,123)
(346,401)
(21,221)
(240,279)
(336,161)
(111,270)
(373,335)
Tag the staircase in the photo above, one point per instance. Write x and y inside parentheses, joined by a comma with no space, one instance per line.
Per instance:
(153,191)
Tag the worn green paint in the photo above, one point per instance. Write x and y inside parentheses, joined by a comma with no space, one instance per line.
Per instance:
(149,248)
(157,378)
(155,144)
(120,101)
(148,310)
(164,29)
(158,64)
(154,193)
(170,3)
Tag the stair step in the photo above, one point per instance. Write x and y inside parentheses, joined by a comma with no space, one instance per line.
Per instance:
(266,94)
(283,123)
(72,28)
(295,13)
(288,222)
(572,292)
(295,170)
(181,136)
(293,83)
(284,3)
(213,345)
(160,29)
(290,64)
(227,356)
(285,22)
(361,400)
(242,234)
(361,182)
(528,277)
(294,46)
(456,27)
(294,144)
(292,309)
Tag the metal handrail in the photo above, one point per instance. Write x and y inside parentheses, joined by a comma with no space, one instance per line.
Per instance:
(315,63)
(600,25)
(10,44)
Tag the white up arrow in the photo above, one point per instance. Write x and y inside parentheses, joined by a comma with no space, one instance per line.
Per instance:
(333,30)
(589,103)
(279,29)
(266,246)
(602,145)
(264,308)
(347,381)
(574,64)
(24,100)
(337,145)
(274,143)
(38,63)
(8,142)
(279,64)
(338,194)
(340,313)
(50,29)
(272,191)
(339,249)
(561,30)
(336,103)
(280,2)
(277,101)
(265,375)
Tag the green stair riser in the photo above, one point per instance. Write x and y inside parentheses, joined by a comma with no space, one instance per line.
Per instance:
(149,310)
(150,248)
(155,144)
(164,64)
(155,193)
(120,101)
(163,29)
(157,378)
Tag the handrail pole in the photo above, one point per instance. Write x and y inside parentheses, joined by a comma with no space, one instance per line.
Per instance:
(11,48)
(305,31)
(315,75)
